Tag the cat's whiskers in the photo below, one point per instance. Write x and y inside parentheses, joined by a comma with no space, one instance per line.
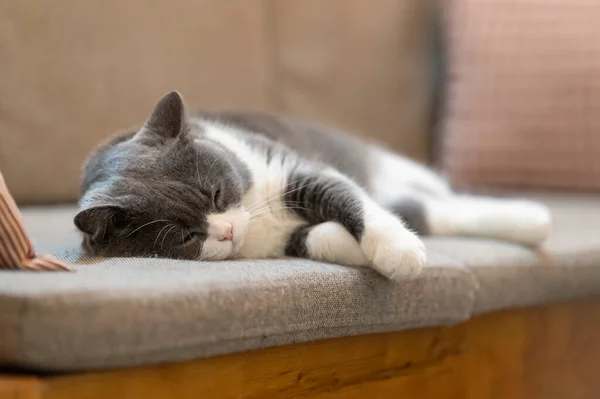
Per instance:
(267,200)
(279,209)
(159,233)
(165,236)
(280,195)
(284,206)
(264,208)
(206,177)
(287,208)
(197,167)
(147,224)
(104,229)
(258,216)
(199,250)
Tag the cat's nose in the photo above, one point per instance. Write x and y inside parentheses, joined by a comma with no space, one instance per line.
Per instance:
(228,234)
(220,229)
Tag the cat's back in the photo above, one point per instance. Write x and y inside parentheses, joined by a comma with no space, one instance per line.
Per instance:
(345,152)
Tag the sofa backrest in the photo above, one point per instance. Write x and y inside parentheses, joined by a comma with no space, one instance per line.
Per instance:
(73,73)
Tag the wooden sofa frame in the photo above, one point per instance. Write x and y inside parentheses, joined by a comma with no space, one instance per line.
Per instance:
(546,352)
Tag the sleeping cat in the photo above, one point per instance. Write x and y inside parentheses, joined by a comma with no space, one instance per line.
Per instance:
(231,185)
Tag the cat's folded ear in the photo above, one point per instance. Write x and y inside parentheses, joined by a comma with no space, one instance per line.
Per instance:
(100,221)
(168,117)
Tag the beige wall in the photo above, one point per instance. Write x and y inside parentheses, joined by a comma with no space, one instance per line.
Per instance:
(73,72)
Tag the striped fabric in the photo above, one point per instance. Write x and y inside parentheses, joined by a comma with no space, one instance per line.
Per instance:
(16,250)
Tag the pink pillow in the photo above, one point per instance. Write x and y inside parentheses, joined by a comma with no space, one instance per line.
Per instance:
(523,93)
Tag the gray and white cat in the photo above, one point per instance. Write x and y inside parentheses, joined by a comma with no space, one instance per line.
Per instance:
(237,185)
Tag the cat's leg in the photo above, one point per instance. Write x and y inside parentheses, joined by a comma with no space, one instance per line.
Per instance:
(327,242)
(326,195)
(427,204)
(521,221)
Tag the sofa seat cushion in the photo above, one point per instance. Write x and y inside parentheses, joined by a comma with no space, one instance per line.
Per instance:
(125,312)
(567,267)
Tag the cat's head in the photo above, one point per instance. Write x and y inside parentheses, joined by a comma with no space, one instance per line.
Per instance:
(164,191)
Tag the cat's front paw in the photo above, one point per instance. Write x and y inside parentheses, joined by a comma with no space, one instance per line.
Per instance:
(331,242)
(398,256)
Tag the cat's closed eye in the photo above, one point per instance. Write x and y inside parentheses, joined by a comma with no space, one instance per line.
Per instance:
(216,198)
(190,236)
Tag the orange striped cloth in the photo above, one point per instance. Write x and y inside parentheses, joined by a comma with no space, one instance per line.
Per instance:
(16,250)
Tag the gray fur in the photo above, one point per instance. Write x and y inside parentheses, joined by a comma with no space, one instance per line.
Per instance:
(147,193)
(296,246)
(412,211)
(312,142)
(321,198)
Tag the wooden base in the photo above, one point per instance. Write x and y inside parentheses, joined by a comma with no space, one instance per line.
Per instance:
(550,352)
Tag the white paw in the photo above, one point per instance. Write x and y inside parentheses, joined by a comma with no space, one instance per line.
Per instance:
(331,242)
(397,255)
(527,222)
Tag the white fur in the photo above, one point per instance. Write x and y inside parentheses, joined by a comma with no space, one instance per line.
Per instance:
(525,222)
(262,226)
(391,248)
(270,224)
(392,174)
(387,244)
(216,249)
(521,221)
(331,242)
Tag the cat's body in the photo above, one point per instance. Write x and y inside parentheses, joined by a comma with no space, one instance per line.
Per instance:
(234,185)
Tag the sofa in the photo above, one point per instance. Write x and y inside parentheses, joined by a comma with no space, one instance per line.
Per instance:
(485,319)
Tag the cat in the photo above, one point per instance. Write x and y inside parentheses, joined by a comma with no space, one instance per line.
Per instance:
(228,185)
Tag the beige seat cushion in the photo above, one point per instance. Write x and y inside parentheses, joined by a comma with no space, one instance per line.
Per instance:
(124,312)
(566,267)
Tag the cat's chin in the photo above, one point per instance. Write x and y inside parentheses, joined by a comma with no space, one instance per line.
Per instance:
(237,245)
(216,251)
(240,229)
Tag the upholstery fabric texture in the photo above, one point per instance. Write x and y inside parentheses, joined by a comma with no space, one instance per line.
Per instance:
(363,68)
(80,71)
(523,94)
(125,312)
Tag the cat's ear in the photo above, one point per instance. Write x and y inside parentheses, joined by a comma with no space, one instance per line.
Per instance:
(168,117)
(99,221)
